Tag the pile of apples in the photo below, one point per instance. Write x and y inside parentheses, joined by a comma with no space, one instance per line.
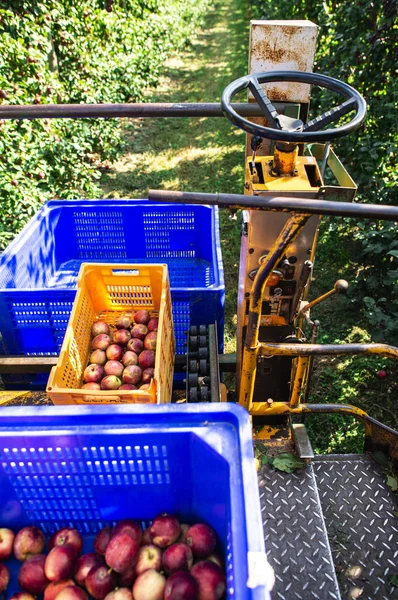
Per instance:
(122,359)
(167,561)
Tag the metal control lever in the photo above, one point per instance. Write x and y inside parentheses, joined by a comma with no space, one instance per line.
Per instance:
(340,287)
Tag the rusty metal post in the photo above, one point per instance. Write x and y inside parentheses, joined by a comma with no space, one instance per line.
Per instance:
(274,45)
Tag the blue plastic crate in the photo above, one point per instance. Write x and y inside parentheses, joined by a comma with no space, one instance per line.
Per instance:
(89,467)
(38,270)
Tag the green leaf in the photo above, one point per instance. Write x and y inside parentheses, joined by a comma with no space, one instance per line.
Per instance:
(392,482)
(393,579)
(393,253)
(287,462)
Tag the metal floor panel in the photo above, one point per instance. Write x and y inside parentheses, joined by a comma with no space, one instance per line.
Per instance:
(359,509)
(295,536)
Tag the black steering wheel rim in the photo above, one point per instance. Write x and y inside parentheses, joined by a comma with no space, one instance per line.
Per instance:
(324,81)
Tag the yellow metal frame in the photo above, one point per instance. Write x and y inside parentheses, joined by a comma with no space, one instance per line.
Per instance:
(253,349)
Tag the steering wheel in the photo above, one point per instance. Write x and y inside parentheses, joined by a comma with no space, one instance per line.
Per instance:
(286,129)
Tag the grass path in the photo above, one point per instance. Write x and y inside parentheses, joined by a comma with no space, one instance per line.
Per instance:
(194,154)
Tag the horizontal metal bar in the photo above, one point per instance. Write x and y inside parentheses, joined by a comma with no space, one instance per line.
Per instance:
(283,408)
(281,204)
(27,364)
(117,111)
(267,349)
(227,362)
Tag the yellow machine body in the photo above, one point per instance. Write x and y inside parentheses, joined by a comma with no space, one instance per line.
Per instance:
(263,178)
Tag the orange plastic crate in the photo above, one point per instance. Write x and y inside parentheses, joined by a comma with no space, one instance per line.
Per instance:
(107,291)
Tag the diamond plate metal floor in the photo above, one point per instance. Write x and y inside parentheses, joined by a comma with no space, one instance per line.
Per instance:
(362,523)
(295,536)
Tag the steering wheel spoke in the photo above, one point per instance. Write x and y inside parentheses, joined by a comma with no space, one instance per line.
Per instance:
(285,129)
(331,115)
(269,110)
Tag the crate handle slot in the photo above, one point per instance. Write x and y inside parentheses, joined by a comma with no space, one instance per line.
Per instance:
(92,398)
(134,272)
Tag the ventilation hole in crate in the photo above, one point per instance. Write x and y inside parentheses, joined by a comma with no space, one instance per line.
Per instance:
(126,295)
(100,235)
(229,563)
(57,485)
(159,237)
(181,321)
(27,314)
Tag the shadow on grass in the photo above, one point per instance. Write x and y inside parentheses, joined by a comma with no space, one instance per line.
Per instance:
(201,154)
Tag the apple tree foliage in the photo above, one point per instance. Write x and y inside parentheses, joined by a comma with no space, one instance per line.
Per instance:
(74,51)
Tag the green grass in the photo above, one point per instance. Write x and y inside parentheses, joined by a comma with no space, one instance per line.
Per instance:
(208,155)
(205,155)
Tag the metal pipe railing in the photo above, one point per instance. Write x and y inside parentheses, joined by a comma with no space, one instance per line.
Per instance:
(115,111)
(281,204)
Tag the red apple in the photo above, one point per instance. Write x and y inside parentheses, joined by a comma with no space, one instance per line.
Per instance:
(102,539)
(165,530)
(91,386)
(122,593)
(31,577)
(184,529)
(114,352)
(150,340)
(127,578)
(149,557)
(132,374)
(145,386)
(139,332)
(67,536)
(135,345)
(148,375)
(177,557)
(93,373)
(56,587)
(153,324)
(101,342)
(114,367)
(149,586)
(181,586)
(110,382)
(146,359)
(84,565)
(122,552)
(4,578)
(202,540)
(60,563)
(129,358)
(146,538)
(122,337)
(100,581)
(98,357)
(210,580)
(22,596)
(129,526)
(128,386)
(30,540)
(72,593)
(100,327)
(142,316)
(6,542)
(123,323)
